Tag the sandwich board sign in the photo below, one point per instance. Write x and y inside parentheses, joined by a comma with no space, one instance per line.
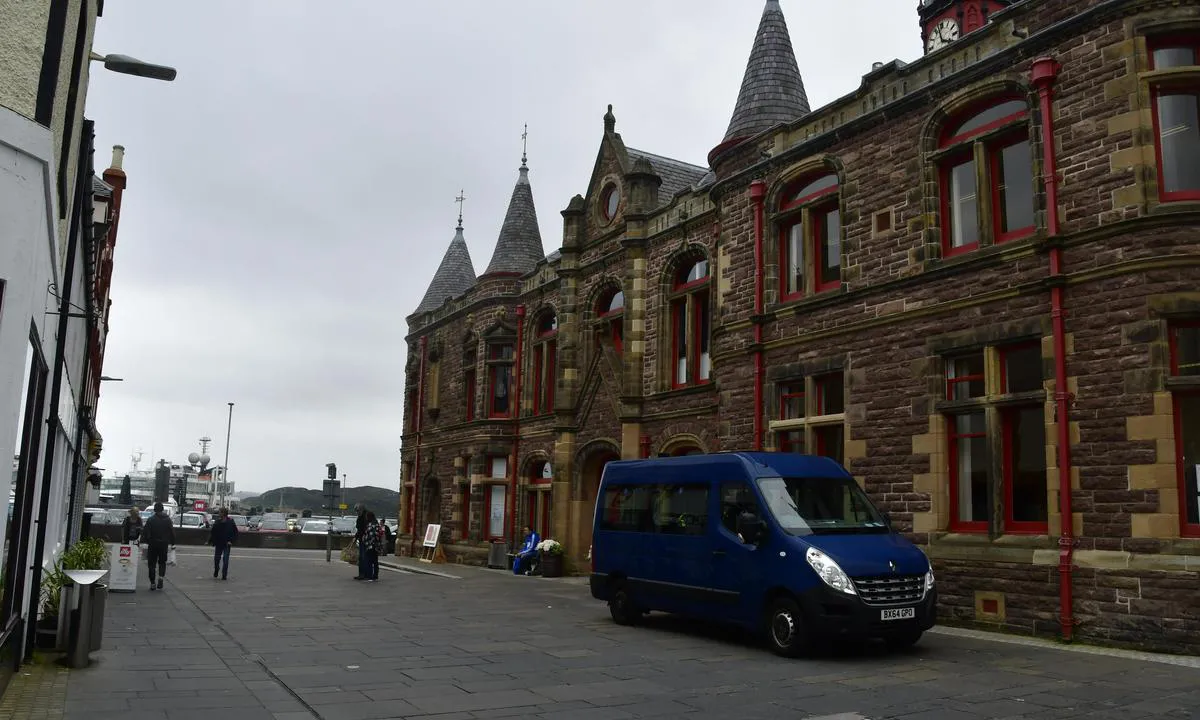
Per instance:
(430,551)
(123,561)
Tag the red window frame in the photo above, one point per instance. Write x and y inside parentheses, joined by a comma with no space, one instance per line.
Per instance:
(537,379)
(821,441)
(493,371)
(783,439)
(788,392)
(820,216)
(1012,526)
(815,189)
(614,319)
(953,436)
(820,386)
(1178,87)
(951,382)
(690,296)
(1186,529)
(410,516)
(469,390)
(992,150)
(1004,352)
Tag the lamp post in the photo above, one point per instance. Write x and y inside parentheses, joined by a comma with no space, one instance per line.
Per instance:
(132,66)
(225,469)
(194,459)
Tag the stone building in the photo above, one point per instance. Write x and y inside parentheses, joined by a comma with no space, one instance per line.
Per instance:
(972,280)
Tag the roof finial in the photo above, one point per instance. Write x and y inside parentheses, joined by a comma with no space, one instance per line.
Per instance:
(610,121)
(524,144)
(460,199)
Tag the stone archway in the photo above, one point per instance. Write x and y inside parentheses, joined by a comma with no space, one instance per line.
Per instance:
(589,466)
(429,510)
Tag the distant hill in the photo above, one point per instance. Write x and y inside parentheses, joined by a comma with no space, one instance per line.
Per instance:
(381,501)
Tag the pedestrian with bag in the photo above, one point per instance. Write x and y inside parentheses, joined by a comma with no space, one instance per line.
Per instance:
(222,536)
(160,540)
(131,529)
(360,529)
(373,539)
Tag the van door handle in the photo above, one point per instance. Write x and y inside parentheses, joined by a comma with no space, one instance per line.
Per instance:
(719,553)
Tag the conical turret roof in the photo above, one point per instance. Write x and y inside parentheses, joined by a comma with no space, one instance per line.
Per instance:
(454,276)
(519,247)
(772,89)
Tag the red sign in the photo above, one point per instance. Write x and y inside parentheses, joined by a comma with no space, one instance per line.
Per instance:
(199,505)
(126,551)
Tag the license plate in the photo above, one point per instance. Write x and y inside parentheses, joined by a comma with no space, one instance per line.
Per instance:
(898,614)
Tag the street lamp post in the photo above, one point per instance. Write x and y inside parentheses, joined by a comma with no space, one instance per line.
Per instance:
(194,459)
(225,469)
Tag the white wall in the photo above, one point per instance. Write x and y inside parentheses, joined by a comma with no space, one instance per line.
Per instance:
(28,266)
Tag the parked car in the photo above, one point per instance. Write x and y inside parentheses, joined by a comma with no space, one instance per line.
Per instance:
(253,521)
(195,520)
(240,521)
(314,526)
(273,526)
(786,545)
(344,525)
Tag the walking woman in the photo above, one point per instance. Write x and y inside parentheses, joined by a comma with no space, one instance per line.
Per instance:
(131,529)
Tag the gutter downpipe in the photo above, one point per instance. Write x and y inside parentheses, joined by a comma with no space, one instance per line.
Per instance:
(1044,73)
(516,446)
(53,421)
(417,423)
(758,192)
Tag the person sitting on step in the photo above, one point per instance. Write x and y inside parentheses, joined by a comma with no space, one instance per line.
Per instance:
(523,560)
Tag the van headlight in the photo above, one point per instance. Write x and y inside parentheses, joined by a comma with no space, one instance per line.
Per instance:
(929,580)
(829,571)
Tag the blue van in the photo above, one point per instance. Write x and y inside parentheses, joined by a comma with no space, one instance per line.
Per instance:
(779,543)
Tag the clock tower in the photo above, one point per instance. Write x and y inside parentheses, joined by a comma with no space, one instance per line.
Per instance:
(945,21)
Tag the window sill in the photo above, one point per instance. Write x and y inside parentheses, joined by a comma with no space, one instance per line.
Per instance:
(1034,542)
(1186,383)
(686,390)
(1167,206)
(1021,398)
(811,302)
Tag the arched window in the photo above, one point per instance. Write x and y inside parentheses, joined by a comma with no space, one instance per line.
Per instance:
(500,378)
(545,347)
(810,238)
(538,497)
(610,311)
(690,321)
(986,153)
(1176,109)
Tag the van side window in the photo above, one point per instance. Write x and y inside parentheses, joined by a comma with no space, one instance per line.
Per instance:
(736,498)
(681,509)
(626,509)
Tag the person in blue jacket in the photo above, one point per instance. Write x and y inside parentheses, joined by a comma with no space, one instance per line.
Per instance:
(527,552)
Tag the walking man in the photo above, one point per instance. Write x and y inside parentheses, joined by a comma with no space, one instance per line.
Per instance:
(360,536)
(222,536)
(159,535)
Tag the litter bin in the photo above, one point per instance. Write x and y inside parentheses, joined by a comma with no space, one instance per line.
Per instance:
(99,593)
(498,554)
(80,636)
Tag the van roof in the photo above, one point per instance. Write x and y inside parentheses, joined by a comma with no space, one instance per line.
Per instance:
(744,464)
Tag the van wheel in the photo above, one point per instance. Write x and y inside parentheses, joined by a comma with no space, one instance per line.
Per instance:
(785,628)
(902,641)
(621,606)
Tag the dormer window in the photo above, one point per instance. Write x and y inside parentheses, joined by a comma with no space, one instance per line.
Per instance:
(810,238)
(610,201)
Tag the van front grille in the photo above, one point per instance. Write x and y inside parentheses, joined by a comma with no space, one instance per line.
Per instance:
(891,589)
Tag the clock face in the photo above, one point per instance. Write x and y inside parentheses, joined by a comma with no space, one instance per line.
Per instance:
(942,34)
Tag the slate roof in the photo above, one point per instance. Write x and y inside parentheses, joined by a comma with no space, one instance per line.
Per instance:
(454,276)
(676,175)
(99,187)
(772,89)
(519,247)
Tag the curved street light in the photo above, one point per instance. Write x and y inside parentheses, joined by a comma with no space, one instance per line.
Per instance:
(132,66)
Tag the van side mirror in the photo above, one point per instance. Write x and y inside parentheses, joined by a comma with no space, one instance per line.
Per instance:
(887,520)
(750,527)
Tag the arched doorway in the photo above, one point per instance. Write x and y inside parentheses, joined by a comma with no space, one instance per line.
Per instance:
(539,497)
(592,460)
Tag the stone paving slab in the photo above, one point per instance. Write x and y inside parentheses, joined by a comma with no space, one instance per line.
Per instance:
(38,691)
(290,637)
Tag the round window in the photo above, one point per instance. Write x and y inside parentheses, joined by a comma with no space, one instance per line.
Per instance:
(610,200)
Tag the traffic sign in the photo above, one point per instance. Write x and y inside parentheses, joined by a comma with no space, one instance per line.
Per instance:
(343,506)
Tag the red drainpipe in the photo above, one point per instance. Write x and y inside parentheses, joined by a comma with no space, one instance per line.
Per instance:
(758,192)
(644,446)
(1045,72)
(516,451)
(417,422)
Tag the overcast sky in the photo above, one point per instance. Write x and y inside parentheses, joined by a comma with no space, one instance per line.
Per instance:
(292,192)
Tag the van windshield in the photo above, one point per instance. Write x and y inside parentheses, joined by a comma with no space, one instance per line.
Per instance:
(808,506)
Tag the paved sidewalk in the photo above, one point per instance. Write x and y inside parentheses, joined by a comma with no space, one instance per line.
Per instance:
(290,637)
(37,692)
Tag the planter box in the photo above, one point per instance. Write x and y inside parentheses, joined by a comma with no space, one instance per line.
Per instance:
(552,565)
(46,637)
